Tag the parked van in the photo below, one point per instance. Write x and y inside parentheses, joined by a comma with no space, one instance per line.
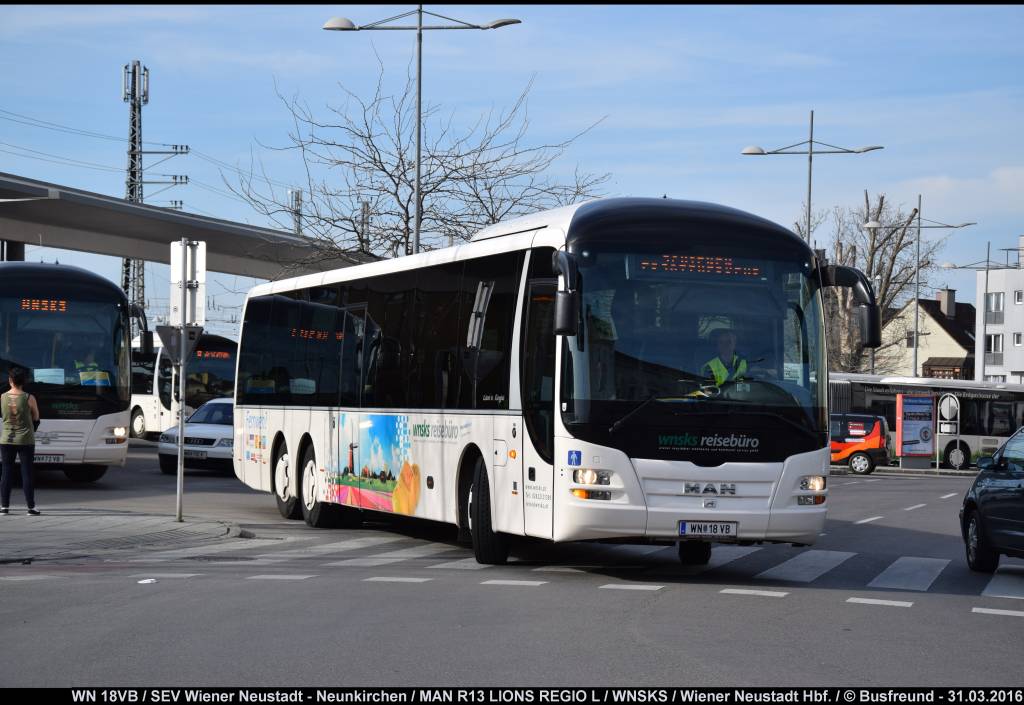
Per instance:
(860,441)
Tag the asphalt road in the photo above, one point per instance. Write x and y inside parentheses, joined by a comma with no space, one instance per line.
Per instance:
(884,598)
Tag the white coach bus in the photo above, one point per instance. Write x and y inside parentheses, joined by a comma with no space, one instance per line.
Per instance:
(70,329)
(544,380)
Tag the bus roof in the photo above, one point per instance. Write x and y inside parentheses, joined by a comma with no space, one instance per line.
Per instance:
(83,281)
(923,381)
(518,233)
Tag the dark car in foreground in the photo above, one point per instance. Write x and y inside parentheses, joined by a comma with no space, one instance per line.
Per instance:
(992,516)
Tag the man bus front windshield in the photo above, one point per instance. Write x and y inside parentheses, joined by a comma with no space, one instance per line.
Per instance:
(679,339)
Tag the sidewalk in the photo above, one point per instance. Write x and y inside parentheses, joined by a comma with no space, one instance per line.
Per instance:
(67,533)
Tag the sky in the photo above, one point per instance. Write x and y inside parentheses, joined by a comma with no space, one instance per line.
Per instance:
(676,91)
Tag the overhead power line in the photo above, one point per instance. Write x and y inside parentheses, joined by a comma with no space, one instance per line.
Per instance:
(46,124)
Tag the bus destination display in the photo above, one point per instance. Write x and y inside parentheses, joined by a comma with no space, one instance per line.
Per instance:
(47,305)
(717,265)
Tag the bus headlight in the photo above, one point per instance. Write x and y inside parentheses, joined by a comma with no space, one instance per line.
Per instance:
(591,494)
(812,483)
(586,476)
(810,499)
(120,431)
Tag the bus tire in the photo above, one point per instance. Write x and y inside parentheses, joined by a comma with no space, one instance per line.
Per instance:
(86,473)
(319,515)
(694,552)
(957,457)
(489,547)
(288,504)
(861,464)
(137,428)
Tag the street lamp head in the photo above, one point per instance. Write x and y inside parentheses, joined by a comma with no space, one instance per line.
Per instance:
(500,23)
(861,150)
(948,265)
(753,150)
(871,225)
(341,24)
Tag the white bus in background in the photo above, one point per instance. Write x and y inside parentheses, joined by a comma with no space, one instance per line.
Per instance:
(210,374)
(70,329)
(544,380)
(990,412)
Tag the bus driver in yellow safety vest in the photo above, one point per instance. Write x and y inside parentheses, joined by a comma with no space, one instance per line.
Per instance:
(727,366)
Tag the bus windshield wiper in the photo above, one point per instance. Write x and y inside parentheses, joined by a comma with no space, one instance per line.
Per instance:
(654,397)
(789,422)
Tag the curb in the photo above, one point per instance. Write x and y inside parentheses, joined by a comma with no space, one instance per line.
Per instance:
(896,470)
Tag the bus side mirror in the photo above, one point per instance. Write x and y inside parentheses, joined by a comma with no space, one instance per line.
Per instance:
(146,342)
(869,317)
(567,301)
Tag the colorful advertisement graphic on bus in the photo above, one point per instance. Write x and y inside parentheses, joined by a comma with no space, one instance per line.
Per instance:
(377,471)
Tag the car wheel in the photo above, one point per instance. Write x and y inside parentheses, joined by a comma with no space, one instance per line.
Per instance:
(981,556)
(957,457)
(694,552)
(138,424)
(87,473)
(284,491)
(490,547)
(168,464)
(861,464)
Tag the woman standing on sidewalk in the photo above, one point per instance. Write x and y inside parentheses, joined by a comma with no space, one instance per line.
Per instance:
(20,416)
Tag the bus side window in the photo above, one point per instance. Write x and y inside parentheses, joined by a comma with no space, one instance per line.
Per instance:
(435,338)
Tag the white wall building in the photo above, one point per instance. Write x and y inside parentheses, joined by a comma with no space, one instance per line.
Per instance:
(999,336)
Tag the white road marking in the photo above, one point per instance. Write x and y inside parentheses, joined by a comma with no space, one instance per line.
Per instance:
(565,568)
(622,586)
(947,496)
(916,506)
(865,521)
(806,567)
(280,577)
(323,549)
(875,480)
(234,545)
(463,564)
(720,555)
(165,575)
(402,554)
(855,482)
(883,603)
(26,578)
(1002,613)
(397,580)
(522,583)
(758,593)
(910,573)
(1007,582)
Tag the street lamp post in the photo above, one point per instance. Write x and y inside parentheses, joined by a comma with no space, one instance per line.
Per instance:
(872,225)
(344,24)
(984,298)
(810,152)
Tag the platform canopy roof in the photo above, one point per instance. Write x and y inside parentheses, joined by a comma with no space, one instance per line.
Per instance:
(39,213)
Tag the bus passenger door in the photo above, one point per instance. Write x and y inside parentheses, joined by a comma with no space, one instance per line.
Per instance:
(537,360)
(345,423)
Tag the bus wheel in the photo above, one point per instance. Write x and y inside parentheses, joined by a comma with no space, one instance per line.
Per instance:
(138,425)
(86,473)
(861,464)
(489,546)
(287,503)
(694,552)
(319,515)
(957,456)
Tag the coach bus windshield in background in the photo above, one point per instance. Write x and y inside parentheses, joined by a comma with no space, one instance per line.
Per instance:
(211,371)
(74,347)
(652,309)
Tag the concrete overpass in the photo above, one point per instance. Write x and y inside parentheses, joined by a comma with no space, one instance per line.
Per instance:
(72,219)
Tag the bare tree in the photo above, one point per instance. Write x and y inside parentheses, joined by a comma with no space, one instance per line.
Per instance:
(887,255)
(364,152)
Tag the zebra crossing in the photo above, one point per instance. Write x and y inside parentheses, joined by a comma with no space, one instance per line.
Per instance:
(749,568)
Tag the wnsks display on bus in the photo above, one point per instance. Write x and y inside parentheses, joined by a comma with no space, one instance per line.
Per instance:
(689,354)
